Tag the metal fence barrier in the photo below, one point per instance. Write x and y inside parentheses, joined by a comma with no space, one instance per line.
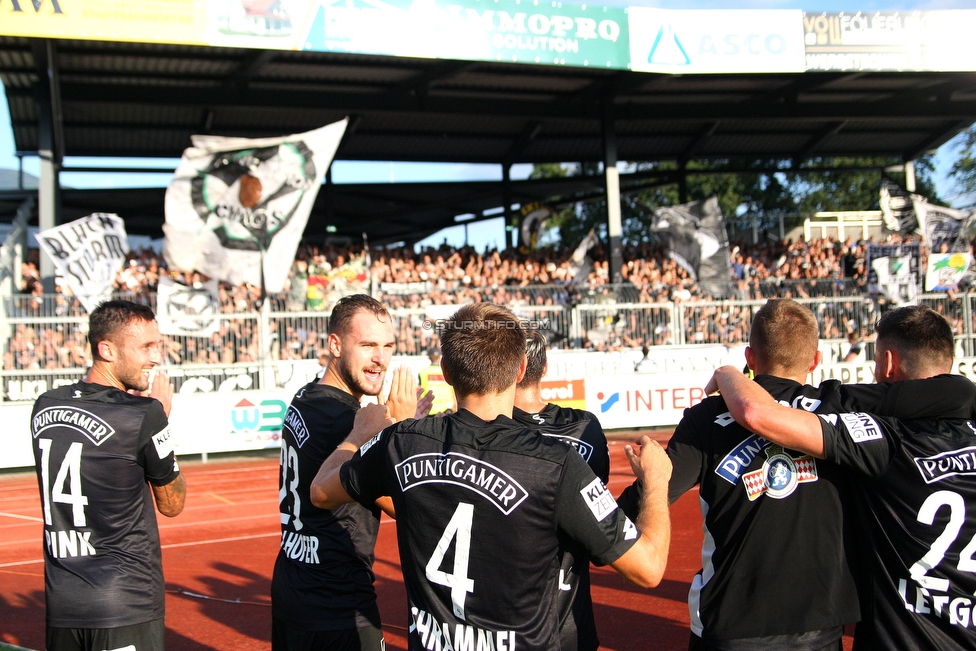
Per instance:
(45,336)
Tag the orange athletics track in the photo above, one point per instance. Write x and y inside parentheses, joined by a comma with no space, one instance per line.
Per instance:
(218,556)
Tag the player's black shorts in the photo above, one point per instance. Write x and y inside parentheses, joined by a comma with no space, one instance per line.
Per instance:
(809,641)
(285,637)
(138,637)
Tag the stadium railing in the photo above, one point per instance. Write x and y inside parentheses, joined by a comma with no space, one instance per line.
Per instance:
(44,336)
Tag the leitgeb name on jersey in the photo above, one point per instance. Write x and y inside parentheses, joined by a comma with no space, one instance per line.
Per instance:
(84,422)
(440,636)
(958,611)
(947,464)
(492,483)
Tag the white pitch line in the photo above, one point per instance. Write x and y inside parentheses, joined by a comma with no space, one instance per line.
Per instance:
(21,517)
(170,546)
(221,540)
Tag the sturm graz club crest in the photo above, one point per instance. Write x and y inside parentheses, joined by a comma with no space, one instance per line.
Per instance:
(247,196)
(780,474)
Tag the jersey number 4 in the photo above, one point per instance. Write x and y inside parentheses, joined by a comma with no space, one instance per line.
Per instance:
(939,547)
(69,473)
(458,528)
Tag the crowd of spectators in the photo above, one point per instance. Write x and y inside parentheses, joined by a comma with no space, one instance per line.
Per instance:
(539,286)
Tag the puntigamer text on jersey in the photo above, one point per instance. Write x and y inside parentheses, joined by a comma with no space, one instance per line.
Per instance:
(461,470)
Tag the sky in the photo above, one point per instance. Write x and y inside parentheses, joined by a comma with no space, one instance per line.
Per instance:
(488,233)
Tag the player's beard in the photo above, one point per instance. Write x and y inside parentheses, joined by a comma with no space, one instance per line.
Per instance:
(352,379)
(130,375)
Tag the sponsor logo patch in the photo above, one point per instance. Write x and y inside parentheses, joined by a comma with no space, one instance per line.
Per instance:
(492,483)
(370,443)
(585,449)
(780,474)
(84,422)
(599,499)
(296,425)
(731,467)
(947,464)
(861,427)
(164,443)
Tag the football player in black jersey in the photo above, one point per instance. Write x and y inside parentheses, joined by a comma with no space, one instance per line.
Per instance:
(914,493)
(484,507)
(103,453)
(582,430)
(770,510)
(322,593)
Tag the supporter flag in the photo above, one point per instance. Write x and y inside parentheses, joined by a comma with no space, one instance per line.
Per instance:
(893,271)
(325,289)
(945,270)
(88,253)
(534,216)
(580,264)
(238,207)
(897,208)
(696,239)
(189,311)
(942,225)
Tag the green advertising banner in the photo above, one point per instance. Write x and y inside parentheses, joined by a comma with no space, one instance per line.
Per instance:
(552,33)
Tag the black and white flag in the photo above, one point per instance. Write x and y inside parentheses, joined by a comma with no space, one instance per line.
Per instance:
(580,264)
(696,239)
(942,226)
(893,270)
(533,224)
(897,208)
(189,311)
(235,202)
(88,253)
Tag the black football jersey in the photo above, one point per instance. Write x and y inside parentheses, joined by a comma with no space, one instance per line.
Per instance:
(482,512)
(95,449)
(323,576)
(915,499)
(771,512)
(582,431)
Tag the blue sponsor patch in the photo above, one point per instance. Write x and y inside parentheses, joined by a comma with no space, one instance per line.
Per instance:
(731,467)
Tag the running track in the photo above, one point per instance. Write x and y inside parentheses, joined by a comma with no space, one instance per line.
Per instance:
(219,553)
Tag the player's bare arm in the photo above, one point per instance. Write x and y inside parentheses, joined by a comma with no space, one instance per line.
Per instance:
(645,562)
(326,489)
(170,497)
(753,408)
(386,505)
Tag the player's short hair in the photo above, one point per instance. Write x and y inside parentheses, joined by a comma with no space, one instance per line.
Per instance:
(483,346)
(111,318)
(535,355)
(348,306)
(921,336)
(784,336)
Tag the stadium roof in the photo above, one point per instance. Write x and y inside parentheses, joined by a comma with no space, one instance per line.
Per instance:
(147,99)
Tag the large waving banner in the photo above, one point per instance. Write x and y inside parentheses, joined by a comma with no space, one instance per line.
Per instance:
(696,239)
(88,253)
(235,204)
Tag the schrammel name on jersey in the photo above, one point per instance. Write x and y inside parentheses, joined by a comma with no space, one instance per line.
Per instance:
(438,636)
(947,464)
(461,470)
(74,418)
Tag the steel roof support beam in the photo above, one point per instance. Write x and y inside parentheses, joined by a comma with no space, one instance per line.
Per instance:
(612,181)
(814,143)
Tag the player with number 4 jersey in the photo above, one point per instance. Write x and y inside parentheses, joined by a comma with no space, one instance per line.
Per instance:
(484,505)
